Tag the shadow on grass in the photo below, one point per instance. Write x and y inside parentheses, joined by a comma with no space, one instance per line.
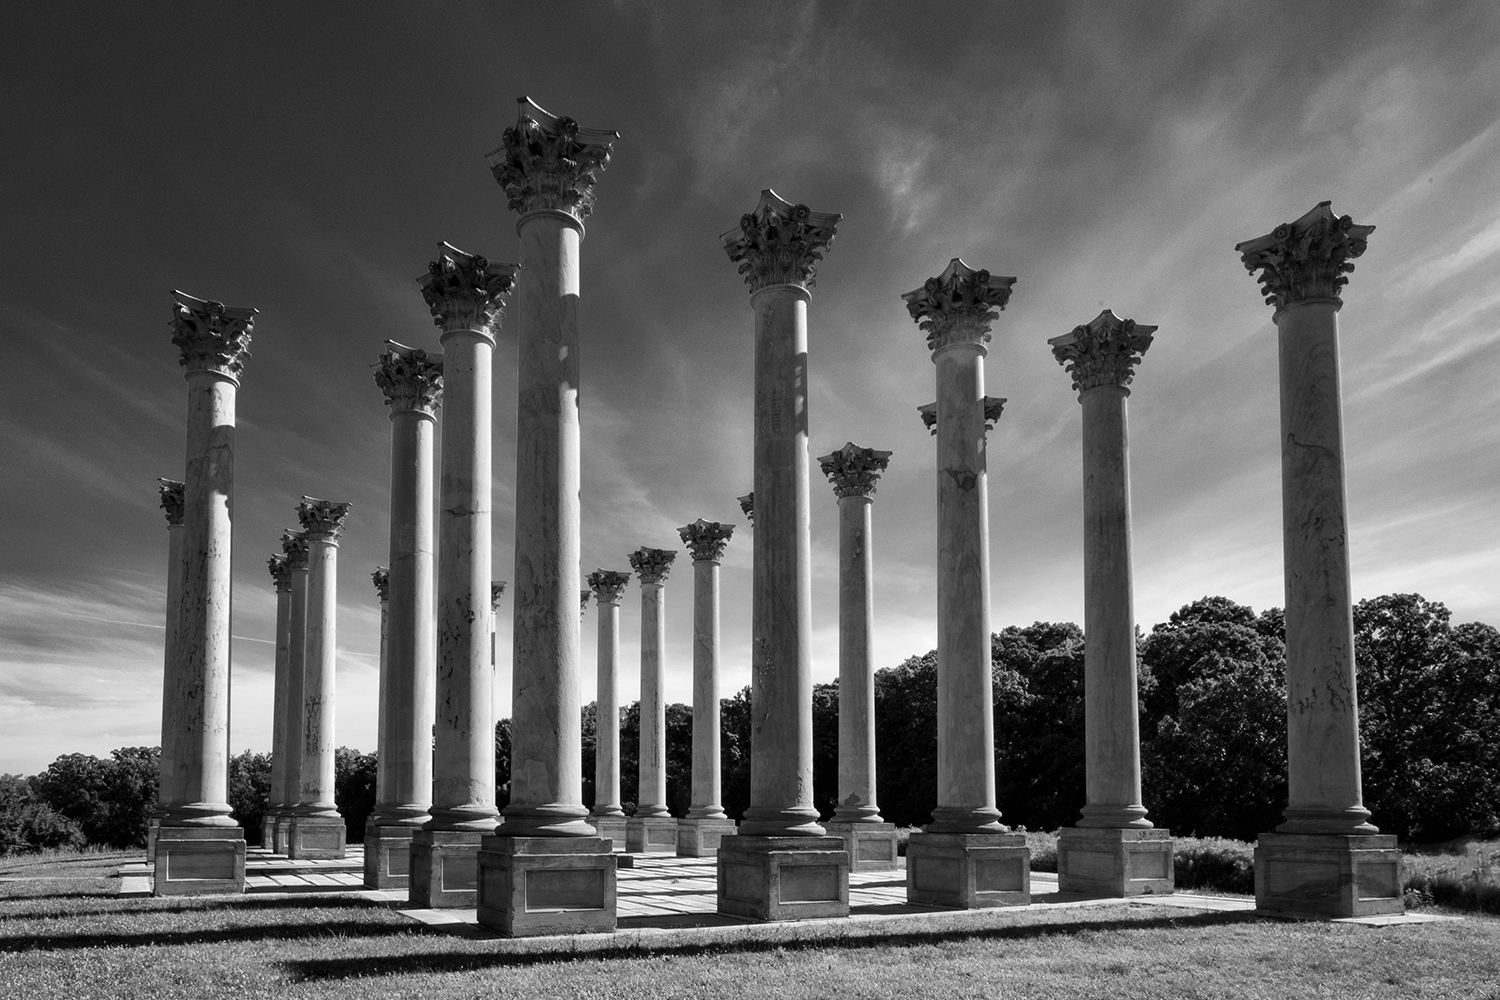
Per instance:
(713,941)
(201,904)
(158,939)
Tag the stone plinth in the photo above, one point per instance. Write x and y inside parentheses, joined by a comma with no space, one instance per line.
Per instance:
(283,834)
(315,837)
(651,835)
(968,870)
(194,861)
(871,846)
(611,828)
(387,856)
(444,869)
(1327,875)
(699,838)
(783,878)
(1114,861)
(529,886)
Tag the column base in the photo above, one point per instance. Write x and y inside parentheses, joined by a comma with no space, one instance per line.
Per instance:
(699,838)
(651,835)
(611,828)
(444,869)
(968,871)
(314,837)
(283,834)
(1327,875)
(151,830)
(1101,861)
(783,878)
(268,830)
(871,846)
(388,856)
(530,886)
(198,861)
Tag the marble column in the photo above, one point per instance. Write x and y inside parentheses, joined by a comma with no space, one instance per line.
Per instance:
(294,547)
(466,294)
(964,857)
(1326,859)
(706,824)
(411,381)
(1113,850)
(781,865)
(607,817)
(281,577)
(853,471)
(317,829)
(170,492)
(381,579)
(548,166)
(652,830)
(199,847)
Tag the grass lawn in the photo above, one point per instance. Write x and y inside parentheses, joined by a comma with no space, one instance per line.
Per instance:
(70,942)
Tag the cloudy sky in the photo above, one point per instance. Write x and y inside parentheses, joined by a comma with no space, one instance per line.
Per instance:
(307,161)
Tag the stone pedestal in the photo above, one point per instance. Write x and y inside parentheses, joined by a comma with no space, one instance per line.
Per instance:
(611,828)
(387,856)
(196,861)
(1114,861)
(531,886)
(968,870)
(783,878)
(700,837)
(651,835)
(444,869)
(268,832)
(314,837)
(1327,875)
(283,834)
(871,846)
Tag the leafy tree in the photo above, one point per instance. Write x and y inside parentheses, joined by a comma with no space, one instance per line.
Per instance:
(825,737)
(502,763)
(1037,682)
(590,720)
(354,789)
(679,758)
(131,778)
(734,752)
(250,791)
(74,786)
(906,740)
(29,824)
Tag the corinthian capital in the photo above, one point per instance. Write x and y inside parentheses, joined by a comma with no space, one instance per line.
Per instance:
(958,306)
(411,378)
(497,591)
(322,520)
(550,162)
(652,564)
(608,585)
(294,545)
(706,539)
(212,336)
(1306,260)
(853,470)
(747,504)
(780,243)
(466,291)
(170,491)
(281,572)
(1103,351)
(381,578)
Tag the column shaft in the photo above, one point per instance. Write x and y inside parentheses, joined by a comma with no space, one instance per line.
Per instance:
(607,720)
(170,782)
(464,784)
(966,735)
(856,802)
(1111,716)
(651,794)
(382,710)
(296,688)
(315,796)
(277,795)
(1323,779)
(547,765)
(707,783)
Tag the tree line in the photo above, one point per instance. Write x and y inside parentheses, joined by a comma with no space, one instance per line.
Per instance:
(1212,718)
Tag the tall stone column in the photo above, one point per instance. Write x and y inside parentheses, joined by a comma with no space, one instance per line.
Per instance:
(199,848)
(607,817)
(700,832)
(171,504)
(466,294)
(381,579)
(1326,859)
(294,547)
(965,857)
(547,166)
(1113,850)
(781,865)
(853,471)
(652,830)
(281,577)
(411,380)
(317,829)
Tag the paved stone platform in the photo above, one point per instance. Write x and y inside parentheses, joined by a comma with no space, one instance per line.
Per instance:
(267,872)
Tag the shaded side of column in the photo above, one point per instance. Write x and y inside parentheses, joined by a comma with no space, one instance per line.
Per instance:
(168,780)
(281,576)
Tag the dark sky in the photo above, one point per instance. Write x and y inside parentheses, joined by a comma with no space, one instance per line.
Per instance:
(307,159)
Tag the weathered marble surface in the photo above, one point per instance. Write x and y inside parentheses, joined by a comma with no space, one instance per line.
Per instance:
(281,575)
(705,541)
(607,816)
(295,548)
(171,724)
(1115,861)
(652,566)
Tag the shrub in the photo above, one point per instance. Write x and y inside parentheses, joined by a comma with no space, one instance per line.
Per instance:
(1214,863)
(1043,849)
(28,824)
(1468,879)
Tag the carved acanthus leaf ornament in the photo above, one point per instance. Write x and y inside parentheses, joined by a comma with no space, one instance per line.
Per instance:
(322,520)
(958,306)
(747,504)
(212,336)
(1103,351)
(853,470)
(171,493)
(410,378)
(381,578)
(652,565)
(1306,260)
(281,572)
(780,243)
(466,291)
(994,406)
(706,540)
(608,585)
(294,545)
(497,591)
(549,161)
